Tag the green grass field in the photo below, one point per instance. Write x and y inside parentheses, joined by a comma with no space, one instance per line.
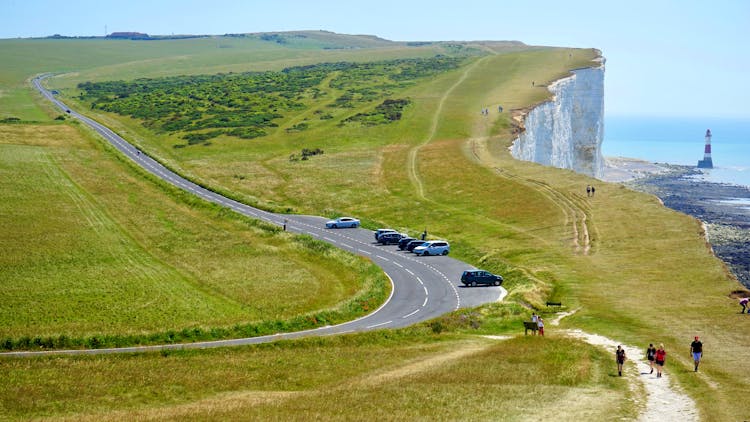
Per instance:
(409,374)
(646,274)
(94,248)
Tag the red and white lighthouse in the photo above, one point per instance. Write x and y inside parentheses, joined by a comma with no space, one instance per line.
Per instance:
(706,162)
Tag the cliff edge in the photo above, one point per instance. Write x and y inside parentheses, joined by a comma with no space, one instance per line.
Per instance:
(567,132)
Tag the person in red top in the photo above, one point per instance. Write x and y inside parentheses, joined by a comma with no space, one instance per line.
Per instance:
(661,355)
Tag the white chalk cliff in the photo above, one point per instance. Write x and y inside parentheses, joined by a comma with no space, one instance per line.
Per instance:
(567,132)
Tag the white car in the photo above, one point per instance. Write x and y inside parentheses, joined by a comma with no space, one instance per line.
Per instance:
(342,222)
(433,247)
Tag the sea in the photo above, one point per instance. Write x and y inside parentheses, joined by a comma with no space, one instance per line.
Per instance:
(681,140)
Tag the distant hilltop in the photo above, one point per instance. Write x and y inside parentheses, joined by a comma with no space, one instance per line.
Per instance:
(129,35)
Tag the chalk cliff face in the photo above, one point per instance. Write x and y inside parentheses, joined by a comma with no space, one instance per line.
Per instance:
(567,132)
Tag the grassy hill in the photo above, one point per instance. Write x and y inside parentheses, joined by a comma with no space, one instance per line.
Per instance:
(634,270)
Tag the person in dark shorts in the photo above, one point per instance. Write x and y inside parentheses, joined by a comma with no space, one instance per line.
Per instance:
(660,357)
(696,348)
(743,303)
(651,356)
(620,357)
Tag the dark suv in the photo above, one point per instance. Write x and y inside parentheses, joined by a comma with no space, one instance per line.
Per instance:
(404,241)
(390,238)
(474,277)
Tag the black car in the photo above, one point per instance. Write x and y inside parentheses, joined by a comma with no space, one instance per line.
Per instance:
(404,241)
(413,244)
(474,277)
(390,238)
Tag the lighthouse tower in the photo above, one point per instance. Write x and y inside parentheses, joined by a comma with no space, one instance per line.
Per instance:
(706,162)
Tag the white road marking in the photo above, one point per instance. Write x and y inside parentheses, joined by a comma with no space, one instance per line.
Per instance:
(408,315)
(378,325)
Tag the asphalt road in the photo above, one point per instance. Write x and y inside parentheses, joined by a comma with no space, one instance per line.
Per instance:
(423,287)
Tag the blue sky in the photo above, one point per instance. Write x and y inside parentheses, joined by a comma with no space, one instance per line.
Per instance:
(683,58)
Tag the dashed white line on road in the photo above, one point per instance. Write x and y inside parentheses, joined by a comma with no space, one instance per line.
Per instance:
(409,271)
(397,264)
(378,325)
(364,251)
(420,281)
(425,302)
(408,315)
(383,258)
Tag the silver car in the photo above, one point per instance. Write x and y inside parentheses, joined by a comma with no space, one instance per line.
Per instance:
(342,222)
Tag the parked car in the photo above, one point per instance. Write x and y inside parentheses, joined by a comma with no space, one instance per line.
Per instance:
(413,244)
(378,232)
(390,238)
(433,247)
(404,241)
(342,222)
(474,277)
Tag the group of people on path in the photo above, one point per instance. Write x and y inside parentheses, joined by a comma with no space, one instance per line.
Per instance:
(657,356)
(539,323)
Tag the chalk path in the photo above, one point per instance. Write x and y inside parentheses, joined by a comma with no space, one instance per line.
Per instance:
(664,401)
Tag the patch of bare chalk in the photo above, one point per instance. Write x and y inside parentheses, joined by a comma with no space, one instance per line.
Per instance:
(665,401)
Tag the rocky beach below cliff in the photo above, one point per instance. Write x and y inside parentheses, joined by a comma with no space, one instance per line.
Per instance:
(724,208)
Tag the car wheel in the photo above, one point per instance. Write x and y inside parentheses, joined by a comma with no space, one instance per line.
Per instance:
(333,226)
(497,283)
(445,252)
(473,284)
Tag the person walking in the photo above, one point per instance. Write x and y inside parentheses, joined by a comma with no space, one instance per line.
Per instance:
(424,234)
(743,303)
(540,324)
(620,357)
(593,191)
(535,320)
(650,355)
(588,190)
(696,348)
(660,357)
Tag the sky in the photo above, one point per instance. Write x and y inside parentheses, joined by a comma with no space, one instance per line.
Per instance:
(664,58)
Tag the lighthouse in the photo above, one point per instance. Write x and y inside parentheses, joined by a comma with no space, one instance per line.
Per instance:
(706,162)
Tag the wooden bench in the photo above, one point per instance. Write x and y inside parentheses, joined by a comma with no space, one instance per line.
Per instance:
(530,325)
(554,303)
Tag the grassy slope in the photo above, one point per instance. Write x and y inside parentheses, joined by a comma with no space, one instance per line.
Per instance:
(408,375)
(93,248)
(626,286)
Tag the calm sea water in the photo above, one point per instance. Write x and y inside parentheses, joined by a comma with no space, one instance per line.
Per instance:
(676,140)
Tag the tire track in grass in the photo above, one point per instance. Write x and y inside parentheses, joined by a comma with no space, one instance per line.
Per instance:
(413,171)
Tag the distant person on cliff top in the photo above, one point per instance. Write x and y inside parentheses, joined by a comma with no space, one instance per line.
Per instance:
(696,348)
(593,191)
(588,190)
(743,303)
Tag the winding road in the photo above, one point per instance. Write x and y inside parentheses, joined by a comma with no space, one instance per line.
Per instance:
(423,287)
